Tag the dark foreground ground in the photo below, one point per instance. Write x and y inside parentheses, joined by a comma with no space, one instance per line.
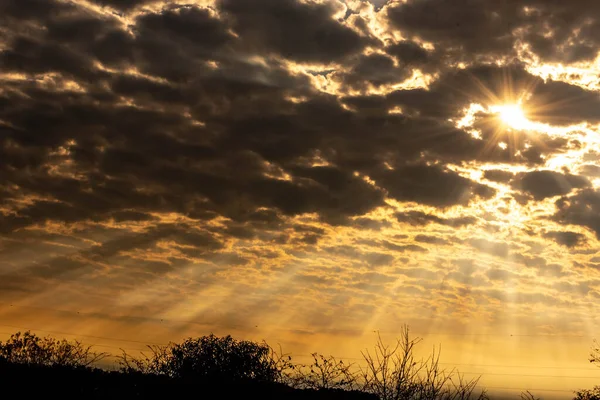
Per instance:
(34,382)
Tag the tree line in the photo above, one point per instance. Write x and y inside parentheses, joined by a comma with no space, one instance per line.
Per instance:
(234,368)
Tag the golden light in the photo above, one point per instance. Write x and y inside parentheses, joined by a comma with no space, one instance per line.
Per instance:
(512,115)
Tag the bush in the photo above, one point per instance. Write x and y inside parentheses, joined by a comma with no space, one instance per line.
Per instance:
(323,373)
(210,358)
(593,394)
(28,348)
(393,373)
(527,395)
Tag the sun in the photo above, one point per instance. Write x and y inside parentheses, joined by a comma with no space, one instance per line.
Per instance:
(512,115)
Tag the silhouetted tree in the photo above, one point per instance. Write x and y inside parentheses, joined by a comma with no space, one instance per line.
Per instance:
(595,353)
(527,395)
(28,348)
(325,373)
(211,358)
(593,394)
(393,373)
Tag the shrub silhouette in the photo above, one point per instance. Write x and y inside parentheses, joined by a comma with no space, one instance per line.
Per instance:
(527,395)
(28,348)
(324,373)
(210,358)
(393,373)
(593,394)
(237,369)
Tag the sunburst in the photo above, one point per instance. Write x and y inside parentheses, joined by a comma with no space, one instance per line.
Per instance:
(512,116)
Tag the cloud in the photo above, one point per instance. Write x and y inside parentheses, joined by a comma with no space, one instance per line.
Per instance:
(431,239)
(409,53)
(304,32)
(475,30)
(498,175)
(560,103)
(496,248)
(195,27)
(374,69)
(470,28)
(590,170)
(124,5)
(541,184)
(368,223)
(497,274)
(379,259)
(431,185)
(568,239)
(419,218)
(582,209)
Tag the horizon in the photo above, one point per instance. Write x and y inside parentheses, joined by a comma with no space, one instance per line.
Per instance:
(307,172)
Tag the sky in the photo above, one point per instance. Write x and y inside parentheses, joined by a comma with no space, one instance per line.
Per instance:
(307,172)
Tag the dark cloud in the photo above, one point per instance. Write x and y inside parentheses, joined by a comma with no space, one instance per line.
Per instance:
(560,103)
(541,184)
(124,5)
(570,32)
(35,57)
(375,69)
(469,30)
(223,138)
(368,223)
(196,112)
(59,37)
(467,27)
(122,216)
(310,229)
(431,185)
(497,274)
(409,53)
(392,246)
(197,27)
(308,234)
(568,239)
(379,259)
(32,10)
(305,32)
(414,134)
(590,170)
(419,218)
(350,195)
(403,247)
(431,239)
(582,209)
(498,175)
